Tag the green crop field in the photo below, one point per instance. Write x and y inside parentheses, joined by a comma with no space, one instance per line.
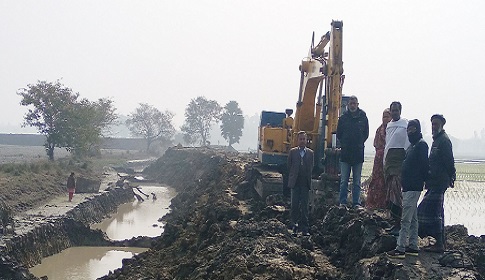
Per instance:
(465,171)
(465,204)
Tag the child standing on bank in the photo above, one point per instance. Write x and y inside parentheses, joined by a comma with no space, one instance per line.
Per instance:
(71,186)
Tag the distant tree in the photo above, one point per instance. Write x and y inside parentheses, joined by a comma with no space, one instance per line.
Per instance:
(64,121)
(199,115)
(232,122)
(89,123)
(53,105)
(151,124)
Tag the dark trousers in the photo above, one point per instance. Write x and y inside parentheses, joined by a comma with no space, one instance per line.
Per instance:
(299,206)
(286,189)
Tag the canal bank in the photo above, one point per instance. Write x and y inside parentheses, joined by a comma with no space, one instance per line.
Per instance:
(134,219)
(59,224)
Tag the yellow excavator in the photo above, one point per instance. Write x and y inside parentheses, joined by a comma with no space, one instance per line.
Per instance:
(318,107)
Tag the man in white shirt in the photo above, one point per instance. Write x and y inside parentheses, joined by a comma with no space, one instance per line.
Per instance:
(394,152)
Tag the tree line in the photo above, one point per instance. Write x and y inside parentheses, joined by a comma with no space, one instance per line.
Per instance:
(79,125)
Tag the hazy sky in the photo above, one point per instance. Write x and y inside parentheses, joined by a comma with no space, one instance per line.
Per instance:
(430,55)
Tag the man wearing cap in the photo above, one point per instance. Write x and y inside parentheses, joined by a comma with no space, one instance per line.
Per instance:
(414,172)
(441,175)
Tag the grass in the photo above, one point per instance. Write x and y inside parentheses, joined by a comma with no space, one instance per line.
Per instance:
(37,167)
(27,180)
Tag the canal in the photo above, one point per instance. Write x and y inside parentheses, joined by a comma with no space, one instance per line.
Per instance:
(137,218)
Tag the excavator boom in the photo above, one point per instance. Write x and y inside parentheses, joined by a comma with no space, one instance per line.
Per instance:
(318,106)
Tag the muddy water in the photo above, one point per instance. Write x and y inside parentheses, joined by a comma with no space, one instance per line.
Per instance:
(139,218)
(83,263)
(132,219)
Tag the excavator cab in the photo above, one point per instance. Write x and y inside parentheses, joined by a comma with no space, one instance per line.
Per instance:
(274,137)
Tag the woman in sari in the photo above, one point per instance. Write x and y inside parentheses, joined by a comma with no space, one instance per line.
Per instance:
(377,192)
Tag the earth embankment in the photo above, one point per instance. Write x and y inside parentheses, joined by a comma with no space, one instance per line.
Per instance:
(220,229)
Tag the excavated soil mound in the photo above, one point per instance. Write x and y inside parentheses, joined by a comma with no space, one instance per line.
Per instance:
(220,229)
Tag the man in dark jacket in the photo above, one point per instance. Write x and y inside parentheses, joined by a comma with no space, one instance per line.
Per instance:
(441,175)
(352,131)
(413,175)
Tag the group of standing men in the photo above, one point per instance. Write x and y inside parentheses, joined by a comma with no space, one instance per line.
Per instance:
(401,170)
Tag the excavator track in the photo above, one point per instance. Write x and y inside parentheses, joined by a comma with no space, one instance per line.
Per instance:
(269,180)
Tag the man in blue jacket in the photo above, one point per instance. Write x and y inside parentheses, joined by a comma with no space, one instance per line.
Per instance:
(352,131)
(413,175)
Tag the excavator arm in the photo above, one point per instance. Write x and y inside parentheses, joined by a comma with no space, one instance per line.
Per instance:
(334,82)
(320,70)
(317,111)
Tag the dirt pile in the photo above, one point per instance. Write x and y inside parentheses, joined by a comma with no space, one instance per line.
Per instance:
(219,229)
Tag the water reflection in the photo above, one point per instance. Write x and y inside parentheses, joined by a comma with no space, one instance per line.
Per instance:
(139,218)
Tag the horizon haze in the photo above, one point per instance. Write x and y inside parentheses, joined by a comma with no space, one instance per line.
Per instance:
(426,54)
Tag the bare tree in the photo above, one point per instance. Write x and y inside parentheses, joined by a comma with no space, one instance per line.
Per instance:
(151,124)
